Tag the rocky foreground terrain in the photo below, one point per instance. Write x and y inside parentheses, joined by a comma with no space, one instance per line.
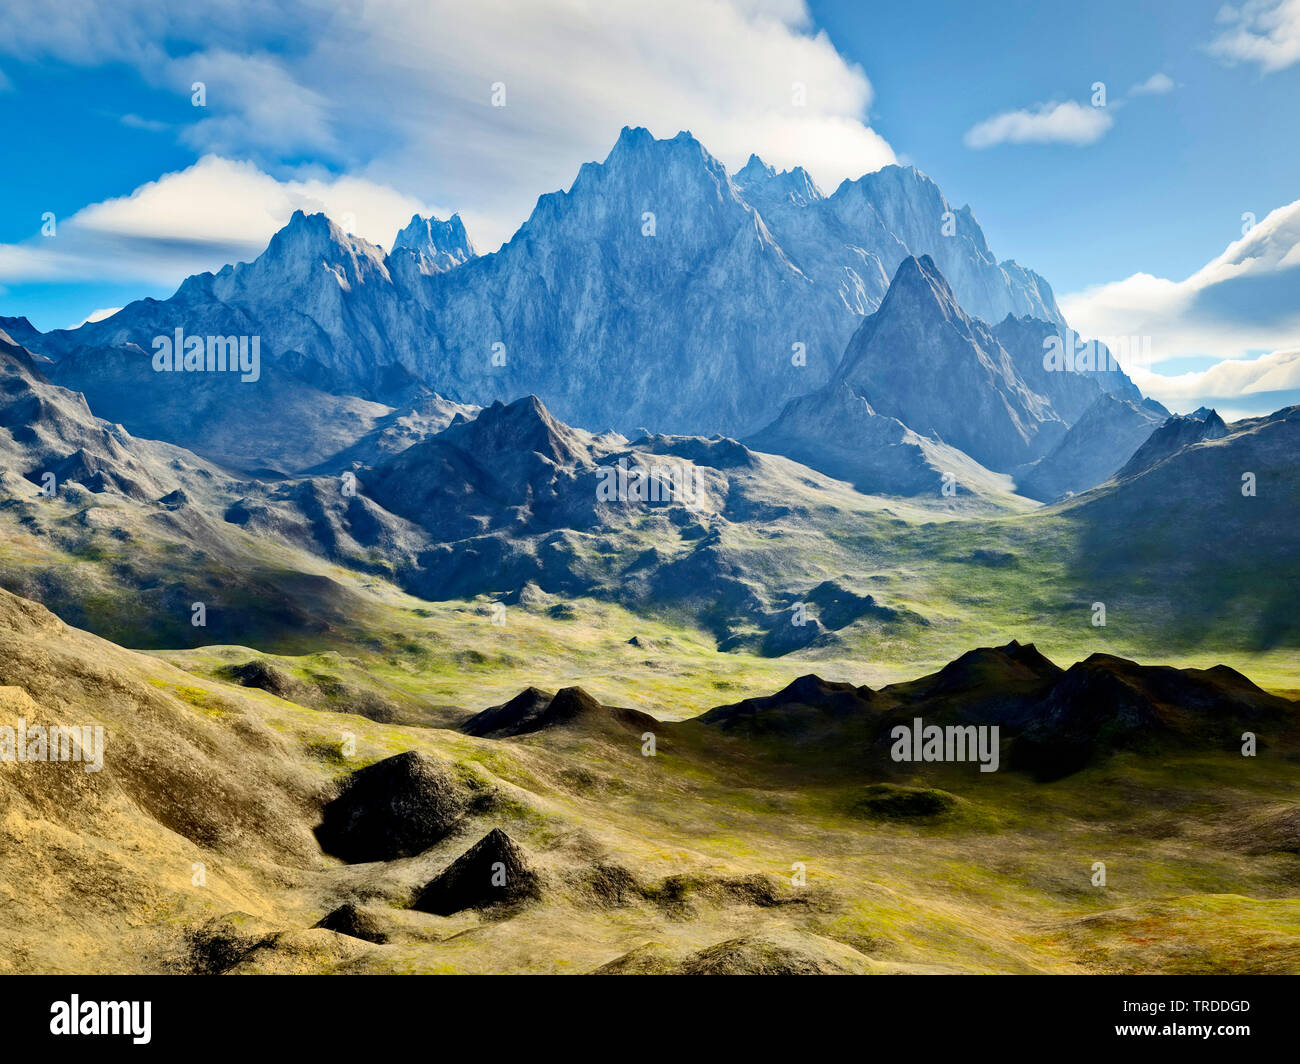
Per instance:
(233,829)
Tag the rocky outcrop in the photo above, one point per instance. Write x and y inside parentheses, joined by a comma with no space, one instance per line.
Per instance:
(494,871)
(394,808)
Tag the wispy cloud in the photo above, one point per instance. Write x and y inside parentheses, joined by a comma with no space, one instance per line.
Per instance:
(1155,85)
(133,121)
(1278,371)
(1047,123)
(1265,32)
(98,315)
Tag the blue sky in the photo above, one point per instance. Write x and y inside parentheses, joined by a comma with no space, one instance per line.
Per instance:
(1163,190)
(1132,211)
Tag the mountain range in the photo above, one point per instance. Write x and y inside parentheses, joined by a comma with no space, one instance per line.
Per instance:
(658,291)
(370,439)
(689,436)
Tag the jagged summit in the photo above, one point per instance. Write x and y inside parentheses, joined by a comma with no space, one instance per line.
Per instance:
(437,245)
(923,360)
(316,233)
(1172,437)
(306,262)
(19,331)
(639,160)
(522,427)
(919,287)
(766,187)
(753,170)
(1096,447)
(654,269)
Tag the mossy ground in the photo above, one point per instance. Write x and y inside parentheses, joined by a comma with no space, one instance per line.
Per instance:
(1004,883)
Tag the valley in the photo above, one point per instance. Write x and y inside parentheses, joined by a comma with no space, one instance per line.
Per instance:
(536,612)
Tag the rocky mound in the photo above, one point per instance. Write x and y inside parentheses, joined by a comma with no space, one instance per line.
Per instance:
(494,871)
(888,801)
(649,958)
(807,705)
(521,714)
(789,953)
(347,919)
(219,943)
(264,676)
(534,710)
(1107,703)
(394,808)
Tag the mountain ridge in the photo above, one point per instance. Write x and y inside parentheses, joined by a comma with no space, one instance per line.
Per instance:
(653,270)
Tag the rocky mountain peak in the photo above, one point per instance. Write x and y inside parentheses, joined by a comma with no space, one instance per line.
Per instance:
(763,185)
(522,427)
(920,287)
(437,245)
(753,170)
(1173,436)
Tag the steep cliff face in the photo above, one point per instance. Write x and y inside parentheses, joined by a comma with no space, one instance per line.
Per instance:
(1094,449)
(921,359)
(658,290)
(928,394)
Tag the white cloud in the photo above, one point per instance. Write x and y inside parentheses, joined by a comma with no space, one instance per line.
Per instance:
(254,102)
(399,91)
(98,315)
(1278,371)
(1156,85)
(1047,123)
(1266,32)
(200,218)
(1242,301)
(133,121)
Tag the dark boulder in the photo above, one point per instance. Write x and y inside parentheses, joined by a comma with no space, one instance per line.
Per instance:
(347,919)
(494,871)
(394,808)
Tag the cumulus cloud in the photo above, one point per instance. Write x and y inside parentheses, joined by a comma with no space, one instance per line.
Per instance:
(1242,301)
(200,218)
(1264,32)
(1278,371)
(1046,123)
(400,92)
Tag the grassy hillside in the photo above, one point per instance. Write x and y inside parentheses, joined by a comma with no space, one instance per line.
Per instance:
(682,861)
